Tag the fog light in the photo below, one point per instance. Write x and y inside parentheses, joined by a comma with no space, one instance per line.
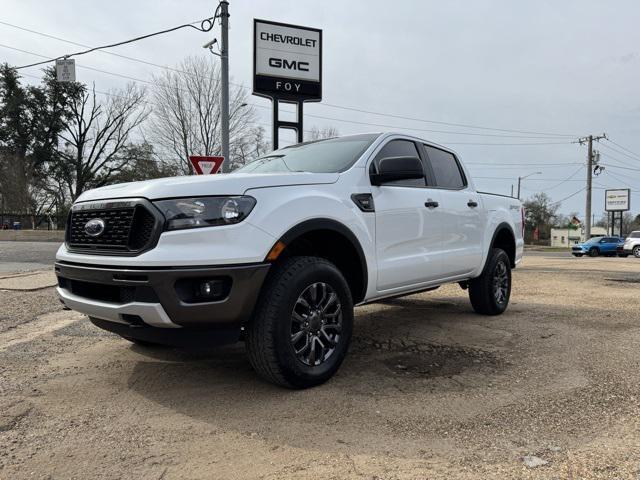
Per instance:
(203,289)
(210,289)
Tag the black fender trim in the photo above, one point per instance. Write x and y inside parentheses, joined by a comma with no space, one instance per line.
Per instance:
(501,226)
(329,224)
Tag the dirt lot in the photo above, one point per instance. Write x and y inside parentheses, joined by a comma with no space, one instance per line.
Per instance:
(429,390)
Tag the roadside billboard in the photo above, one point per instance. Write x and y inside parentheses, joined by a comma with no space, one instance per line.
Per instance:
(618,200)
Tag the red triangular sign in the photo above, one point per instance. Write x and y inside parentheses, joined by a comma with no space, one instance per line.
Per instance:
(206,165)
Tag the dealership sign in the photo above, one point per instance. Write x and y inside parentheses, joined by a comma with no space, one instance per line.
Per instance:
(617,200)
(287,61)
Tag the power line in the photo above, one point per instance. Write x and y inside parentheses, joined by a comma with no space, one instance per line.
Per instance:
(611,157)
(127,77)
(148,82)
(464,125)
(370,124)
(621,180)
(342,107)
(623,148)
(523,164)
(133,59)
(205,26)
(621,152)
(623,168)
(528,180)
(568,179)
(509,144)
(572,195)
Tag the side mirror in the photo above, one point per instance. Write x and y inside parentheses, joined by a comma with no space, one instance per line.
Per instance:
(397,168)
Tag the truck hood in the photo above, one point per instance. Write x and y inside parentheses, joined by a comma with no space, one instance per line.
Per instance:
(206,185)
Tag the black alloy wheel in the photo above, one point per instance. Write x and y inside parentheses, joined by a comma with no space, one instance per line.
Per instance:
(316,324)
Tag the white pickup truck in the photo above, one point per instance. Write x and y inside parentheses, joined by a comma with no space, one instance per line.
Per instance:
(280,251)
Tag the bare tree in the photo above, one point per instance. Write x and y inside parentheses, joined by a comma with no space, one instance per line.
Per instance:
(186,115)
(324,132)
(95,136)
(249,147)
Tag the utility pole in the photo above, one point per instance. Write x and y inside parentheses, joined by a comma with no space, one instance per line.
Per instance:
(587,217)
(224,108)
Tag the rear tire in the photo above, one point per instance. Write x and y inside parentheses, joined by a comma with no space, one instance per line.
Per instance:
(594,252)
(490,292)
(623,255)
(301,328)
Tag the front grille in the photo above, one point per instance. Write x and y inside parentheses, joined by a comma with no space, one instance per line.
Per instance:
(129,227)
(116,233)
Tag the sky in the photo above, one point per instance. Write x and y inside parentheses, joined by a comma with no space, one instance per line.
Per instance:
(562,70)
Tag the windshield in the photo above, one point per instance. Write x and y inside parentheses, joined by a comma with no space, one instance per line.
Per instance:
(594,240)
(332,155)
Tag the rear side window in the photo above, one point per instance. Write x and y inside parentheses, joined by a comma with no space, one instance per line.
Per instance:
(445,168)
(399,148)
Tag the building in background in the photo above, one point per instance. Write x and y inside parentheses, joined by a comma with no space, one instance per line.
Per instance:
(573,234)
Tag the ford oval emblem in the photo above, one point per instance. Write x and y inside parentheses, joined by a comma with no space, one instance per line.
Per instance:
(94,227)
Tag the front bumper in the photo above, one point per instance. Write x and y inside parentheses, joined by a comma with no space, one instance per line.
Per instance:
(154,297)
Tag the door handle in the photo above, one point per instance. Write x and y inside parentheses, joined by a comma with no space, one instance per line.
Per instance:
(431,204)
(472,204)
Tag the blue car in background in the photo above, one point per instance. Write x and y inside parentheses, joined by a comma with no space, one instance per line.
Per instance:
(597,246)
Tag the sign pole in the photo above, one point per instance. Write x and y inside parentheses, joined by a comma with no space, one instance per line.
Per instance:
(224,107)
(278,124)
(276,130)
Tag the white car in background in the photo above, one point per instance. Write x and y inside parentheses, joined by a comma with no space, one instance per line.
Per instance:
(631,245)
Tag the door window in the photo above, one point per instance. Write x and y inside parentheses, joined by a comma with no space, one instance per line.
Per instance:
(399,148)
(445,168)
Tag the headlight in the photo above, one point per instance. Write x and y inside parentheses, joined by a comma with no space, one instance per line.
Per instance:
(204,211)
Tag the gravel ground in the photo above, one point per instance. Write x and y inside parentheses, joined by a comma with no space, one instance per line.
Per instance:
(429,390)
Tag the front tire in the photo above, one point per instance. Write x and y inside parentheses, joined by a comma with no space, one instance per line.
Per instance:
(636,251)
(301,328)
(577,254)
(594,252)
(490,292)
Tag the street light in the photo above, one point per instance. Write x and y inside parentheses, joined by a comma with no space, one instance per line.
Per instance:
(522,178)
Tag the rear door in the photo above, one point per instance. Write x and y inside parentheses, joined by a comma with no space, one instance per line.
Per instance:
(609,244)
(460,215)
(407,232)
